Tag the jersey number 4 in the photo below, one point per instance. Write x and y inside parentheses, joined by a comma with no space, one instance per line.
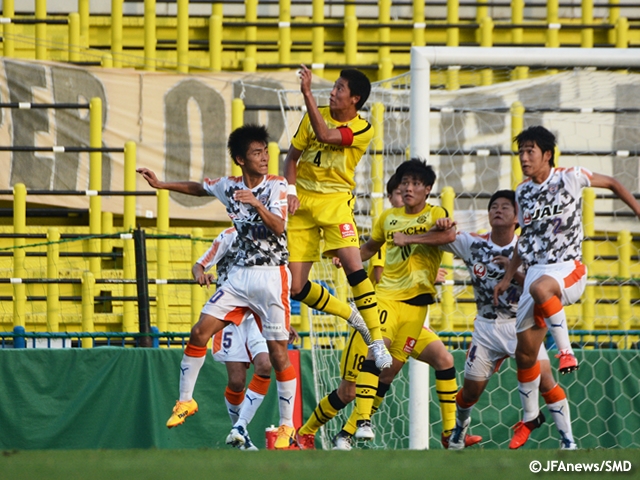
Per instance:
(316,159)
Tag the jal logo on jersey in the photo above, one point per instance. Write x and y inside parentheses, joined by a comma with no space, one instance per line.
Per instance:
(480,270)
(347,230)
(540,213)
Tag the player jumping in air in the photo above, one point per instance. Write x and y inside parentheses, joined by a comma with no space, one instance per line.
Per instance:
(320,168)
(259,281)
(550,249)
(494,336)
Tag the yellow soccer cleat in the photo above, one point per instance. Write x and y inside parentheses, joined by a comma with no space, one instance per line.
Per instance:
(286,438)
(181,411)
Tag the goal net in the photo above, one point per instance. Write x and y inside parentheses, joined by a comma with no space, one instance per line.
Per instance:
(447,112)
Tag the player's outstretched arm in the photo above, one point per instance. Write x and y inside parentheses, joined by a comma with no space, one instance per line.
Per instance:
(291,174)
(323,133)
(603,181)
(369,249)
(504,284)
(190,188)
(434,237)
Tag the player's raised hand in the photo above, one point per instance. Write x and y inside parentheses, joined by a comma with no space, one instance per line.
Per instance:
(149,176)
(305,79)
(246,196)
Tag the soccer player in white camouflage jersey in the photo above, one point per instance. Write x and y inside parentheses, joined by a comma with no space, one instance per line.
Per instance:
(494,336)
(236,345)
(259,282)
(549,248)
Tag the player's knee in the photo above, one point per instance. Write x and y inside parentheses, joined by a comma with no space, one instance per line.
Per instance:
(299,291)
(236,383)
(346,392)
(540,291)
(199,336)
(262,365)
(443,360)
(525,359)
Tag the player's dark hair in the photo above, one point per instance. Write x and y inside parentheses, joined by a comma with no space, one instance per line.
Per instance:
(392,184)
(508,194)
(417,169)
(358,83)
(242,137)
(541,137)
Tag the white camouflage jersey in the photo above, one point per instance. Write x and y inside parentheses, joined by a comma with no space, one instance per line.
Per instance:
(550,215)
(257,245)
(477,251)
(221,254)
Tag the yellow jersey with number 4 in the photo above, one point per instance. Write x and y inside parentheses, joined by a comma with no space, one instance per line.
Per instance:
(411,270)
(326,168)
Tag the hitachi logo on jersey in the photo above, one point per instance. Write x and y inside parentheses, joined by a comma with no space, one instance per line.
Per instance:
(409,231)
(540,213)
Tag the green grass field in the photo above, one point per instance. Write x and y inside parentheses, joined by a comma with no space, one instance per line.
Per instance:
(473,464)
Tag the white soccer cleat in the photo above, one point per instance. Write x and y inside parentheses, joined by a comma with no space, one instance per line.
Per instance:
(358,323)
(237,437)
(364,431)
(565,445)
(458,436)
(342,441)
(248,444)
(381,353)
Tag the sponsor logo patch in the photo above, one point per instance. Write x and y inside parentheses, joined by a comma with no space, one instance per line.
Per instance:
(347,230)
(409,345)
(480,270)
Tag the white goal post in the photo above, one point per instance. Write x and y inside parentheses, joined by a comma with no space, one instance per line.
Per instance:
(422,59)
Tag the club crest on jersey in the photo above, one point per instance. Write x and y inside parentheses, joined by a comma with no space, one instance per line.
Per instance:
(421,219)
(540,213)
(263,199)
(347,230)
(480,270)
(553,188)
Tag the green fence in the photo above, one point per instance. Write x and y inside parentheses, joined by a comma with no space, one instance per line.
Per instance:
(119,398)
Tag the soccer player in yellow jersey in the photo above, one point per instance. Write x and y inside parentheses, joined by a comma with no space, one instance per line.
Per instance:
(376,263)
(320,168)
(428,349)
(407,286)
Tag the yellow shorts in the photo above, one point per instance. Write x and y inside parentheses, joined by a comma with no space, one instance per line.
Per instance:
(401,323)
(327,217)
(426,337)
(405,336)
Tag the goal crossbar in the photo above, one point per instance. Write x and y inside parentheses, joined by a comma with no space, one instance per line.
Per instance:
(423,58)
